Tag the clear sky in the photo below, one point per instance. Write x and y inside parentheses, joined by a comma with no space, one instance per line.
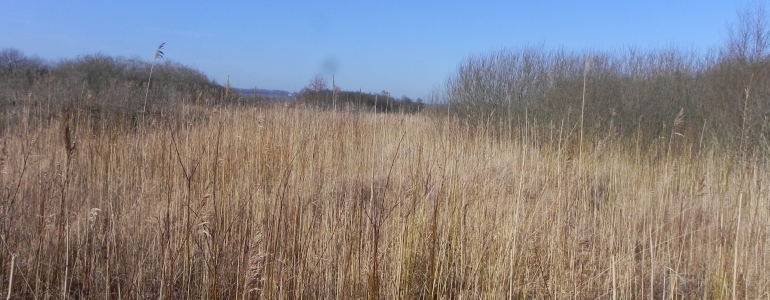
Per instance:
(404,47)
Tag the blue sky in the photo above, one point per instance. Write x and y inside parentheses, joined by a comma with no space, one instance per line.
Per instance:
(404,47)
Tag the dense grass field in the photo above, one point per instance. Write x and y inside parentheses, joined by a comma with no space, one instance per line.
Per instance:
(277,201)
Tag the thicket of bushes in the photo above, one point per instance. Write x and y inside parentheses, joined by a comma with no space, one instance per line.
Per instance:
(722,95)
(103,87)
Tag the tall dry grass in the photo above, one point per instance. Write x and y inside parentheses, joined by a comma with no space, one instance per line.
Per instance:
(289,202)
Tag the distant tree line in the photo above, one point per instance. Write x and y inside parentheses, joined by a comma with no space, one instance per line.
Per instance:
(318,94)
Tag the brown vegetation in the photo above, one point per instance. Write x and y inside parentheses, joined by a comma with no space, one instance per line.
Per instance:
(113,186)
(276,201)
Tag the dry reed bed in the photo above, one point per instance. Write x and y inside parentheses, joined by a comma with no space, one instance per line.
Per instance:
(291,202)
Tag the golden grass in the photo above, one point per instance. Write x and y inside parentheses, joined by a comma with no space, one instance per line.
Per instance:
(282,202)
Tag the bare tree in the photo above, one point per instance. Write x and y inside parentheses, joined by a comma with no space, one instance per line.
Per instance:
(749,38)
(11,59)
(318,83)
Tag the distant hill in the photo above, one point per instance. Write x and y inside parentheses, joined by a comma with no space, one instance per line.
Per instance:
(265,93)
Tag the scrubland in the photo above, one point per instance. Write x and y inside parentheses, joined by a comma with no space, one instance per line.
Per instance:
(281,201)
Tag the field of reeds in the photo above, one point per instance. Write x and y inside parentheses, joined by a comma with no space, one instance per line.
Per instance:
(533,174)
(281,201)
